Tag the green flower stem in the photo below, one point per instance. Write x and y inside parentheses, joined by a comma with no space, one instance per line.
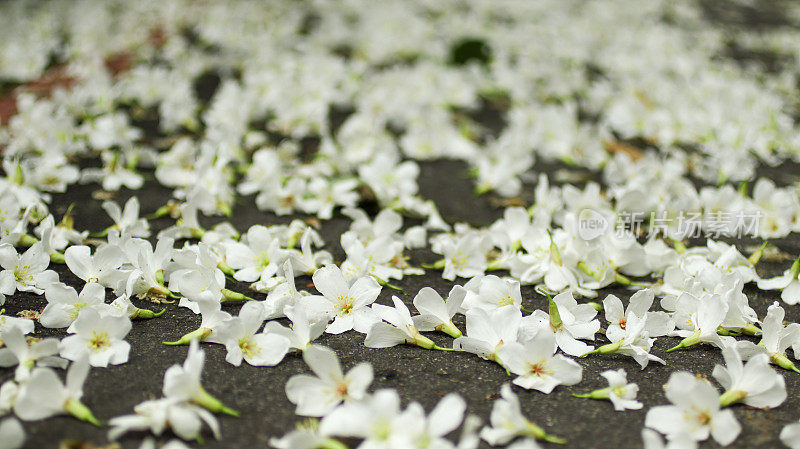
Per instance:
(232,296)
(145,314)
(597,306)
(583,266)
(450,329)
(27,240)
(756,256)
(68,221)
(751,329)
(438,265)
(795,269)
(555,317)
(602,393)
(555,256)
(213,404)
(160,289)
(728,332)
(160,212)
(480,189)
(384,283)
(330,443)
(537,432)
(688,341)
(225,268)
(57,257)
(200,334)
(493,266)
(439,348)
(102,234)
(76,408)
(606,349)
(622,280)
(292,241)
(173,295)
(421,340)
(731,397)
(679,246)
(783,361)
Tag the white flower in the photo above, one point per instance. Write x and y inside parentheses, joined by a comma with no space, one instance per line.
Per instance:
(429,432)
(307,261)
(375,258)
(24,324)
(775,339)
(436,314)
(699,319)
(43,395)
(790,435)
(8,395)
(541,260)
(302,331)
(465,255)
(182,382)
(318,395)
(740,317)
(114,173)
(26,272)
(695,411)
(389,180)
(128,220)
(491,292)
(304,436)
(18,351)
(346,303)
(211,319)
(102,267)
(398,328)
(185,419)
(148,263)
(150,443)
(621,393)
(56,237)
(328,195)
(652,440)
(12,435)
(386,224)
(569,321)
(537,365)
(633,342)
(657,323)
(788,283)
(754,383)
(508,423)
(488,331)
(64,304)
(377,419)
(514,225)
(99,337)
(285,294)
(259,256)
(240,337)
(197,285)
(122,306)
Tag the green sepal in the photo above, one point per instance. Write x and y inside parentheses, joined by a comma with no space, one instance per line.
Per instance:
(77,409)
(200,334)
(204,399)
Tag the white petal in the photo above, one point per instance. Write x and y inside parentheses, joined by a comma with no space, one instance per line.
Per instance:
(323,361)
(384,335)
(724,427)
